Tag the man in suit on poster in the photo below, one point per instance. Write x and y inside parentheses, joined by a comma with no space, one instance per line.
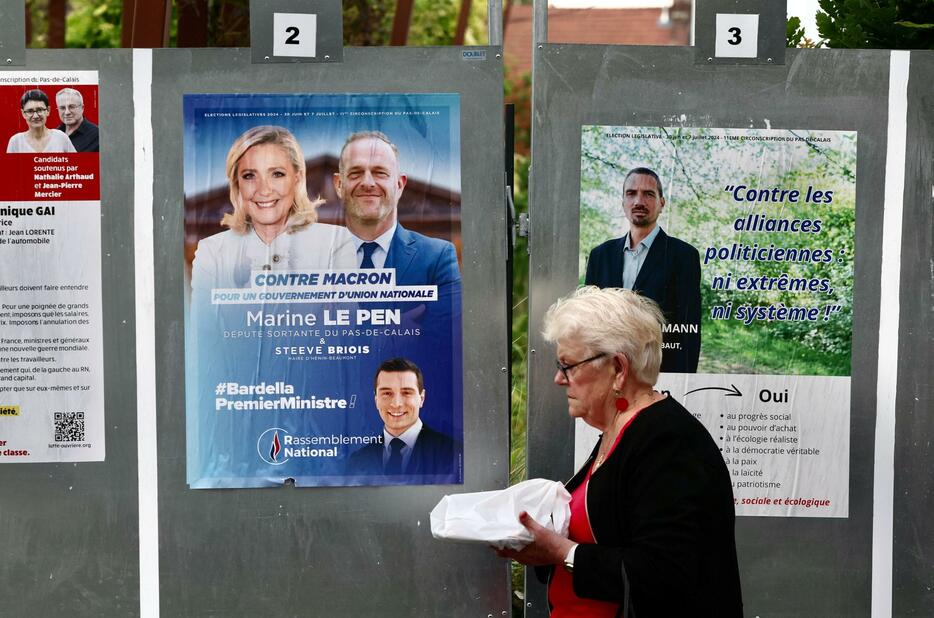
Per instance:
(656,265)
(409,446)
(369,184)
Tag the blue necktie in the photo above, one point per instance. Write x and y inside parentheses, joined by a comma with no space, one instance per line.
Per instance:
(368,249)
(394,465)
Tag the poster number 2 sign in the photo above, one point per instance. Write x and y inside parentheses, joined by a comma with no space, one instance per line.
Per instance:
(737,36)
(294,34)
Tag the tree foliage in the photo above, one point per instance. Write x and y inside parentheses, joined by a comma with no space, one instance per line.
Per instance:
(794,32)
(434,22)
(97,23)
(93,23)
(877,24)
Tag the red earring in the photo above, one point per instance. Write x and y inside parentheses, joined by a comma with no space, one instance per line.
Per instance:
(621,404)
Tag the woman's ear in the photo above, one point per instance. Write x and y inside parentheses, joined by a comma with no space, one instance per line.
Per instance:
(621,364)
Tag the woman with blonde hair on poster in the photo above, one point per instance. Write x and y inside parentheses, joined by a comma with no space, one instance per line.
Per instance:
(273,225)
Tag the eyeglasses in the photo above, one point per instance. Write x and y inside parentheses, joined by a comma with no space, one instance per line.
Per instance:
(564,369)
(36,111)
(69,108)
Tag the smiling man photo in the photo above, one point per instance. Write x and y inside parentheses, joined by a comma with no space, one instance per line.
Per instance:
(369,184)
(409,446)
(83,133)
(659,266)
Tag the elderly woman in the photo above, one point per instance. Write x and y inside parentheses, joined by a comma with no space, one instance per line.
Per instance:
(274,223)
(34,104)
(652,516)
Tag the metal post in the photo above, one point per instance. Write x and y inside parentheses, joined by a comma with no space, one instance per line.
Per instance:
(495,21)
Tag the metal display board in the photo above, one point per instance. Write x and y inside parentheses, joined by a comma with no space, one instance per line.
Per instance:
(296,31)
(789,566)
(12,39)
(914,390)
(721,35)
(69,531)
(334,551)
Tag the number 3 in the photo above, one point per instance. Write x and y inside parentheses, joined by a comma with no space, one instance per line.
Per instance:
(292,39)
(736,40)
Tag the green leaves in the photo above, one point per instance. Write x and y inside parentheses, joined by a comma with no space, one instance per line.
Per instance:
(94,23)
(794,32)
(876,24)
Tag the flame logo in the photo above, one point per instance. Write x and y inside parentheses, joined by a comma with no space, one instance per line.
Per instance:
(269,446)
(275,448)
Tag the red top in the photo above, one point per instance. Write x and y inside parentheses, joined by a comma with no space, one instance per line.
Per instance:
(564,603)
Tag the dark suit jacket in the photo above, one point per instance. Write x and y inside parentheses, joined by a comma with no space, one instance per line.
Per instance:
(670,276)
(433,453)
(421,260)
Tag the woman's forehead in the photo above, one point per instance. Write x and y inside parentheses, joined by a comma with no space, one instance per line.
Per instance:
(570,346)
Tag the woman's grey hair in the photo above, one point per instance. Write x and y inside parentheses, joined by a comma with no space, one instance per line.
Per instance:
(304,211)
(611,320)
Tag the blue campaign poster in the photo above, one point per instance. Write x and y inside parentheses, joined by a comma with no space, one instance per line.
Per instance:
(323,289)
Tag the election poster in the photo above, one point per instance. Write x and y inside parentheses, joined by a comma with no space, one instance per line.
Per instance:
(51,348)
(745,238)
(323,289)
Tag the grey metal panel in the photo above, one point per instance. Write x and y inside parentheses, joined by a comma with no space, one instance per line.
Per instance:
(70,531)
(913,574)
(12,33)
(335,551)
(329,33)
(772,29)
(793,566)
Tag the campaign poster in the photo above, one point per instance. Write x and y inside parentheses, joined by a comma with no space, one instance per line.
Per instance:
(51,347)
(323,322)
(748,247)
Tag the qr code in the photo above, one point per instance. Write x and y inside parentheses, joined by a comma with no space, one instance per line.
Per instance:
(69,426)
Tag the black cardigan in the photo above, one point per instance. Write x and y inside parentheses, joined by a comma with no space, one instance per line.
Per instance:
(661,510)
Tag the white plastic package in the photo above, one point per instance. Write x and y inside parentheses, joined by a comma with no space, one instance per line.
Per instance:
(492,517)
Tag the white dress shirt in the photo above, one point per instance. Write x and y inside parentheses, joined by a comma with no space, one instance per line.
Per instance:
(634,258)
(380,253)
(409,436)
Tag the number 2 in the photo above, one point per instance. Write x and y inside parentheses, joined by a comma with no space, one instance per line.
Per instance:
(292,39)
(736,40)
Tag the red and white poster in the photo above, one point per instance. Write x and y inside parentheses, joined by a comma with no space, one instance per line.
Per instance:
(51,349)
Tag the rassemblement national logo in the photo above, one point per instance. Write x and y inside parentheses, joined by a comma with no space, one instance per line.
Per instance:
(277,446)
(269,446)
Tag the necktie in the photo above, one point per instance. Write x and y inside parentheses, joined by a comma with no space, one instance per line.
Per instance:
(368,249)
(394,465)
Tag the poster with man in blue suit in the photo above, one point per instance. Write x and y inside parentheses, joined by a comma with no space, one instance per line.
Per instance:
(322,234)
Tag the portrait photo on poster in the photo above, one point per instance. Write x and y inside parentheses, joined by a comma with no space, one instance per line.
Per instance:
(322,235)
(745,239)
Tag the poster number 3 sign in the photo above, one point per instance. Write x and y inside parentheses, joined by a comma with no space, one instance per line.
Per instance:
(294,34)
(737,36)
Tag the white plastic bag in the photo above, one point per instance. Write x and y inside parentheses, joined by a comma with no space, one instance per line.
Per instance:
(492,517)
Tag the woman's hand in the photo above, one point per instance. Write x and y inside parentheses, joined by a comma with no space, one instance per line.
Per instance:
(547,547)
